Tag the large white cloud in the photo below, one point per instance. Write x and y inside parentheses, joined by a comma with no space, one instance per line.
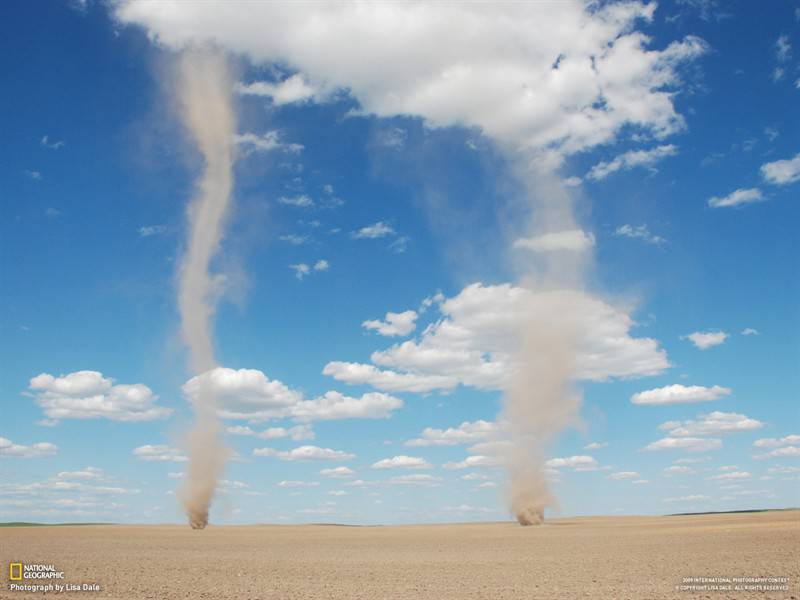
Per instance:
(9,449)
(566,76)
(476,339)
(250,394)
(680,394)
(89,395)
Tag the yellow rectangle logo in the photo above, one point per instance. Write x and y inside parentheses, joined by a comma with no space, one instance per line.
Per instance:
(11,568)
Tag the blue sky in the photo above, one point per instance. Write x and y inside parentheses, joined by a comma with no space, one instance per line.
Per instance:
(692,220)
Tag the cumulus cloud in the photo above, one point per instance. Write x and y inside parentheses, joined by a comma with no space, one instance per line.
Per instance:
(338,472)
(151,230)
(571,240)
(749,331)
(678,470)
(631,159)
(250,394)
(782,172)
(394,323)
(83,474)
(595,446)
(474,343)
(376,230)
(402,462)
(297,484)
(89,395)
(9,449)
(707,339)
(496,73)
(715,423)
(640,232)
(301,270)
(333,405)
(785,452)
(690,444)
(159,453)
(304,453)
(739,197)
(466,433)
(477,460)
(243,393)
(579,462)
(689,498)
(290,90)
(680,394)
(788,440)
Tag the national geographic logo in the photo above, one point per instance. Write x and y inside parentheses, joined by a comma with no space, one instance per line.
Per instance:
(21,571)
(44,578)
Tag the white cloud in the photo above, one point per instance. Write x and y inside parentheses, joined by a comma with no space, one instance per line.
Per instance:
(731,475)
(715,423)
(639,232)
(52,144)
(9,449)
(338,472)
(297,433)
(304,453)
(402,462)
(788,440)
(573,462)
(35,175)
(619,475)
(333,405)
(292,89)
(243,393)
(84,474)
(631,159)
(295,240)
(467,432)
(496,72)
(692,461)
(301,201)
(150,230)
(678,470)
(302,269)
(474,343)
(595,446)
(89,395)
(266,142)
(570,240)
(782,172)
(475,477)
(159,453)
(783,49)
(707,339)
(737,198)
(337,493)
(394,324)
(680,394)
(785,452)
(297,484)
(376,230)
(690,444)
(473,462)
(749,331)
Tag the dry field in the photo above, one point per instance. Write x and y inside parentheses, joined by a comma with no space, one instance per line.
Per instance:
(600,557)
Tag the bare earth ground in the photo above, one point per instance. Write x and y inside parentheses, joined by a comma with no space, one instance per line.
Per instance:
(598,557)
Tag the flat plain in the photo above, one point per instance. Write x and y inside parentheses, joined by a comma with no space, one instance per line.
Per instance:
(589,557)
